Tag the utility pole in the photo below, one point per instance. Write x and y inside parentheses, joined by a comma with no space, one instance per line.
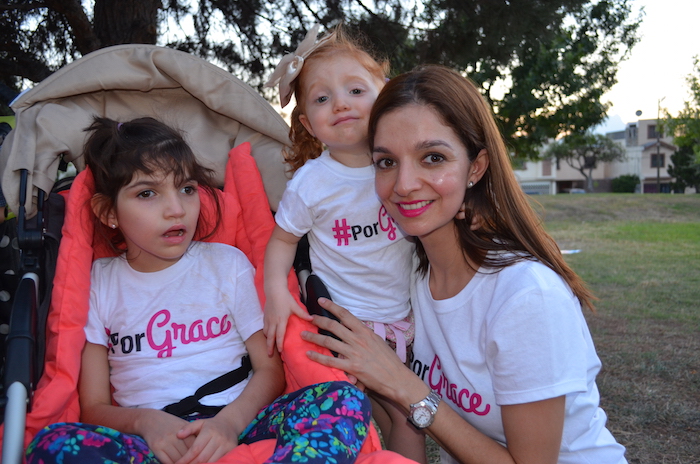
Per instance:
(658,145)
(640,168)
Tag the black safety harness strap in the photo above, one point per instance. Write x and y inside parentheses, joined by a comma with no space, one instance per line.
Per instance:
(191,404)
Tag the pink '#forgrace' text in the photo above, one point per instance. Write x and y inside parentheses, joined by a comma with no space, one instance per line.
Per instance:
(468,402)
(171,333)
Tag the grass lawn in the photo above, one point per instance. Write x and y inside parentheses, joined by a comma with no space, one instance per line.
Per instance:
(640,254)
(642,261)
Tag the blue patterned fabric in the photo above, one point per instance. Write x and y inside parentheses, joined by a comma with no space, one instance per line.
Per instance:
(325,423)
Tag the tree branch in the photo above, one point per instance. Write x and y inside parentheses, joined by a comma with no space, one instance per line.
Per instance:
(311,10)
(367,10)
(26,67)
(84,36)
(23,6)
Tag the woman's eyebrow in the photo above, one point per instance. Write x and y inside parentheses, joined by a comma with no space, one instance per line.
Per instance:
(424,145)
(381,150)
(431,144)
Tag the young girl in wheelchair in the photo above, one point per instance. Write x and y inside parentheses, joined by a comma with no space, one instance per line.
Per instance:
(175,368)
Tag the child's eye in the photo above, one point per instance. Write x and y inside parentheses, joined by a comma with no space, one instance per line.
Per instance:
(356,91)
(146,194)
(189,189)
(321,99)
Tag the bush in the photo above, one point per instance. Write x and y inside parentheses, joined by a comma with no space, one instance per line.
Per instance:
(625,183)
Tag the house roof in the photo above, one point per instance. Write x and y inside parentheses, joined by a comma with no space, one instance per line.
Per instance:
(652,144)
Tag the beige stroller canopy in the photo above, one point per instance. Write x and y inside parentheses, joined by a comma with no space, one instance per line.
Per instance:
(214,109)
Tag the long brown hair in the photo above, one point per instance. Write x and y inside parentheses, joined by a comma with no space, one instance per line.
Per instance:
(507,222)
(116,151)
(304,145)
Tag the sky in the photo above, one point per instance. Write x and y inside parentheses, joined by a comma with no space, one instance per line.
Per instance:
(658,65)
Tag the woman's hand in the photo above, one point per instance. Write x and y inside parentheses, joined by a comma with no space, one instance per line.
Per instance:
(365,356)
(533,430)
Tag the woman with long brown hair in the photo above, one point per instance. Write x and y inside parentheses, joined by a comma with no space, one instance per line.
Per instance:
(503,366)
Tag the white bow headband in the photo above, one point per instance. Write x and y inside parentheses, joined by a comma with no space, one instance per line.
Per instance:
(290,66)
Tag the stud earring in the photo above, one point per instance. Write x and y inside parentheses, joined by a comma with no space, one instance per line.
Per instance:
(471,184)
(113,226)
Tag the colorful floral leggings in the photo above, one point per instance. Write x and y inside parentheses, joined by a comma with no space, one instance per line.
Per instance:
(322,423)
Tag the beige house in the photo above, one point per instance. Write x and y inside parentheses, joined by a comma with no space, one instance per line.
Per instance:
(648,154)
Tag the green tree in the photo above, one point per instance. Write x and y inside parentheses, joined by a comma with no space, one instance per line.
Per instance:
(626,183)
(583,152)
(684,167)
(685,127)
(544,65)
(559,59)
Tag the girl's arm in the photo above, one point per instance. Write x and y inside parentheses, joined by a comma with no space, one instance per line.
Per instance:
(279,303)
(158,428)
(533,430)
(217,436)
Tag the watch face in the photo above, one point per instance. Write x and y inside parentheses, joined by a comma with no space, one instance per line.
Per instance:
(422,416)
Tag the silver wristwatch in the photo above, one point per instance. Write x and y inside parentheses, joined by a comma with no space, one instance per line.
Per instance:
(423,412)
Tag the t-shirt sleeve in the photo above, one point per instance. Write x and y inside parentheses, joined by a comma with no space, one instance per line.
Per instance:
(294,214)
(246,310)
(536,346)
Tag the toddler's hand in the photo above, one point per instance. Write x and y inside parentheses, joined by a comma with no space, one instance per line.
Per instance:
(278,307)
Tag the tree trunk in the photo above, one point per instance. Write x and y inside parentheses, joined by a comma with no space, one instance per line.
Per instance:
(126,21)
(589,181)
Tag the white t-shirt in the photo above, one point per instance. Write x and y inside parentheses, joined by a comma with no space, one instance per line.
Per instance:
(512,337)
(356,248)
(170,332)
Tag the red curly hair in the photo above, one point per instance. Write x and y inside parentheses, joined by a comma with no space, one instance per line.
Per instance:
(304,145)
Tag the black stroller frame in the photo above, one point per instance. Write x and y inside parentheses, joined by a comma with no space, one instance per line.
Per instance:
(38,239)
(311,286)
